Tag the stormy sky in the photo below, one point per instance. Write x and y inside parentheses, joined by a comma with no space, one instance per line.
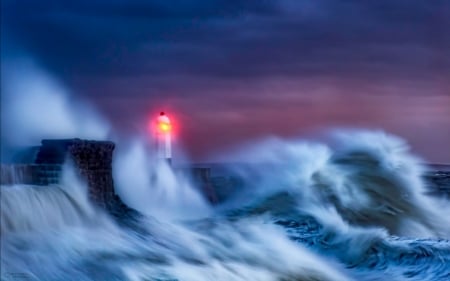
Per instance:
(234,71)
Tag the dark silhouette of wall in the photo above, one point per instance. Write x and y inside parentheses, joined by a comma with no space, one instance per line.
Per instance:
(37,174)
(93,162)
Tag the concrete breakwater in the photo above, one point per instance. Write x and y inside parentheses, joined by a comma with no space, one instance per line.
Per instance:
(93,162)
(37,174)
(438,183)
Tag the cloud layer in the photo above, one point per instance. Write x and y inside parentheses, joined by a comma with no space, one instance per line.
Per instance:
(232,69)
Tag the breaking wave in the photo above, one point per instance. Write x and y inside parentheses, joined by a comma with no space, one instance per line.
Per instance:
(353,210)
(369,179)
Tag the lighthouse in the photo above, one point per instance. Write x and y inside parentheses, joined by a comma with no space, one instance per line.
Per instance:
(163,137)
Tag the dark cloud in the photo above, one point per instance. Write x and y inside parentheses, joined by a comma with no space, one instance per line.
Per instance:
(233,38)
(235,58)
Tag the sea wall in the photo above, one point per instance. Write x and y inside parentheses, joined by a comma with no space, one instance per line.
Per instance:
(202,178)
(93,162)
(37,174)
(438,183)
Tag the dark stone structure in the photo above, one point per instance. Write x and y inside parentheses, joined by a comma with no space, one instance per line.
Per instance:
(37,174)
(93,160)
(202,176)
(438,183)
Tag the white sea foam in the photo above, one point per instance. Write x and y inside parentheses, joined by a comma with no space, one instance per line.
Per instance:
(369,178)
(343,202)
(35,106)
(153,187)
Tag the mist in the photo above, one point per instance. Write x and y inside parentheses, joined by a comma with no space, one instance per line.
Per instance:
(35,106)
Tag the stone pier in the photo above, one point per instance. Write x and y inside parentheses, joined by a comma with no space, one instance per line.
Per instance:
(93,162)
(91,159)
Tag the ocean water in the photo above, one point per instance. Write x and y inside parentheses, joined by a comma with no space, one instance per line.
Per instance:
(353,210)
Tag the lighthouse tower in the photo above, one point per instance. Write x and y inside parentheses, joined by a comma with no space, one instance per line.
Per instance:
(163,137)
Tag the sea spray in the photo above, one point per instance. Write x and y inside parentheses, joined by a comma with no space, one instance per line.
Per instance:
(370,181)
(304,211)
(150,185)
(35,105)
(33,208)
(83,244)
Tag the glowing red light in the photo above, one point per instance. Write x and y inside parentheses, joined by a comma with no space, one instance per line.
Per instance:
(163,123)
(164,127)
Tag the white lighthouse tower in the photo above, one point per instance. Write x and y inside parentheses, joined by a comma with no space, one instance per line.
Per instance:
(163,137)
